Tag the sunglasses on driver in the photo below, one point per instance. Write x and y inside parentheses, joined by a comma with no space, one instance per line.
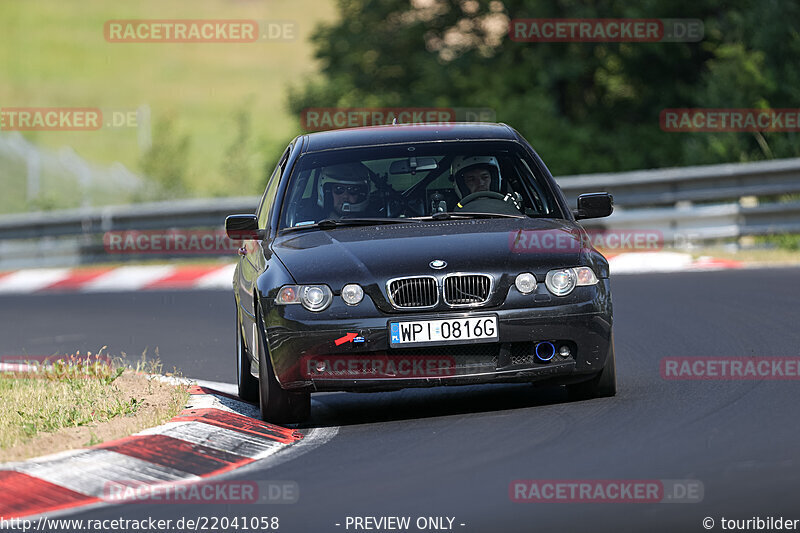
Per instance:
(355,190)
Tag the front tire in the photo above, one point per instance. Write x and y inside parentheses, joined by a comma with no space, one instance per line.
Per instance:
(603,385)
(248,385)
(277,405)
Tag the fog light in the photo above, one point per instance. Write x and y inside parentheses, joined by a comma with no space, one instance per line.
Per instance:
(563,351)
(525,283)
(352,294)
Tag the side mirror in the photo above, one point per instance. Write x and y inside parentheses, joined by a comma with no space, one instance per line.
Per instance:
(243,228)
(594,205)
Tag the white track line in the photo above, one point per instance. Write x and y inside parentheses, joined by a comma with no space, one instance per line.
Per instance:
(91,471)
(227,388)
(641,262)
(223,403)
(25,281)
(129,278)
(229,440)
(16,367)
(221,278)
(315,438)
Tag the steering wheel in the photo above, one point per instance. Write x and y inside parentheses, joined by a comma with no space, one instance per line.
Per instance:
(497,203)
(481,194)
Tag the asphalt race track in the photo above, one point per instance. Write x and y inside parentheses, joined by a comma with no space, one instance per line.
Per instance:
(454,452)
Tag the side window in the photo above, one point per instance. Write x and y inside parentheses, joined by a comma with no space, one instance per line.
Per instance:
(538,196)
(272,186)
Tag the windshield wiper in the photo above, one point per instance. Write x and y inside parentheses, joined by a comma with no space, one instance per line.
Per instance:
(330,223)
(449,215)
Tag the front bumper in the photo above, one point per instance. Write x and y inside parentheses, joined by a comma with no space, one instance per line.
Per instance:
(306,357)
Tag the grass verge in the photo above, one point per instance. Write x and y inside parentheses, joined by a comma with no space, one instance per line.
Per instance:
(79,401)
(754,256)
(747,256)
(52,55)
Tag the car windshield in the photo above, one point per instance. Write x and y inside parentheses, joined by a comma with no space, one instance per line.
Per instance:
(410,183)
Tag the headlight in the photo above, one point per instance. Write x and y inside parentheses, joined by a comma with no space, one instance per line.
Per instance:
(525,283)
(312,297)
(561,282)
(352,294)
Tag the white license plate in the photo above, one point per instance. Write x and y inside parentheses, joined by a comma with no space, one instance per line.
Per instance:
(448,331)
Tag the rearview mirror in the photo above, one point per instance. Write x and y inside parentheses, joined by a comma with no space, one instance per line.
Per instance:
(412,165)
(243,228)
(594,205)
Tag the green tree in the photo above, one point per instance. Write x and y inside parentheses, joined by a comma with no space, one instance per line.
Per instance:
(586,107)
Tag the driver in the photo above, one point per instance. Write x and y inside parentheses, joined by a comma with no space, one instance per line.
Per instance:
(476,173)
(343,190)
(481,174)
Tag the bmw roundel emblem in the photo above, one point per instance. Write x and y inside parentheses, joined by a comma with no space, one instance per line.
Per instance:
(437,264)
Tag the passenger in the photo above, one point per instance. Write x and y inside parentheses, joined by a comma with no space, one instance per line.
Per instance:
(343,190)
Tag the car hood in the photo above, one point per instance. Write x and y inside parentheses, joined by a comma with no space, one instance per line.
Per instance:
(374,254)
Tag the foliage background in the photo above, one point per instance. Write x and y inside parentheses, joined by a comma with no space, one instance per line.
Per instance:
(586,107)
(222,113)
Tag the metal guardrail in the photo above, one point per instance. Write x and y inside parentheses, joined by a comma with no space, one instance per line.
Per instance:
(702,202)
(199,213)
(706,222)
(691,184)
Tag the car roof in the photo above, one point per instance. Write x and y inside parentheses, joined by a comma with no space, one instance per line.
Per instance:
(405,133)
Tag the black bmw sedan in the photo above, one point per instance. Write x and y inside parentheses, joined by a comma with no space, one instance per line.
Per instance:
(401,256)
